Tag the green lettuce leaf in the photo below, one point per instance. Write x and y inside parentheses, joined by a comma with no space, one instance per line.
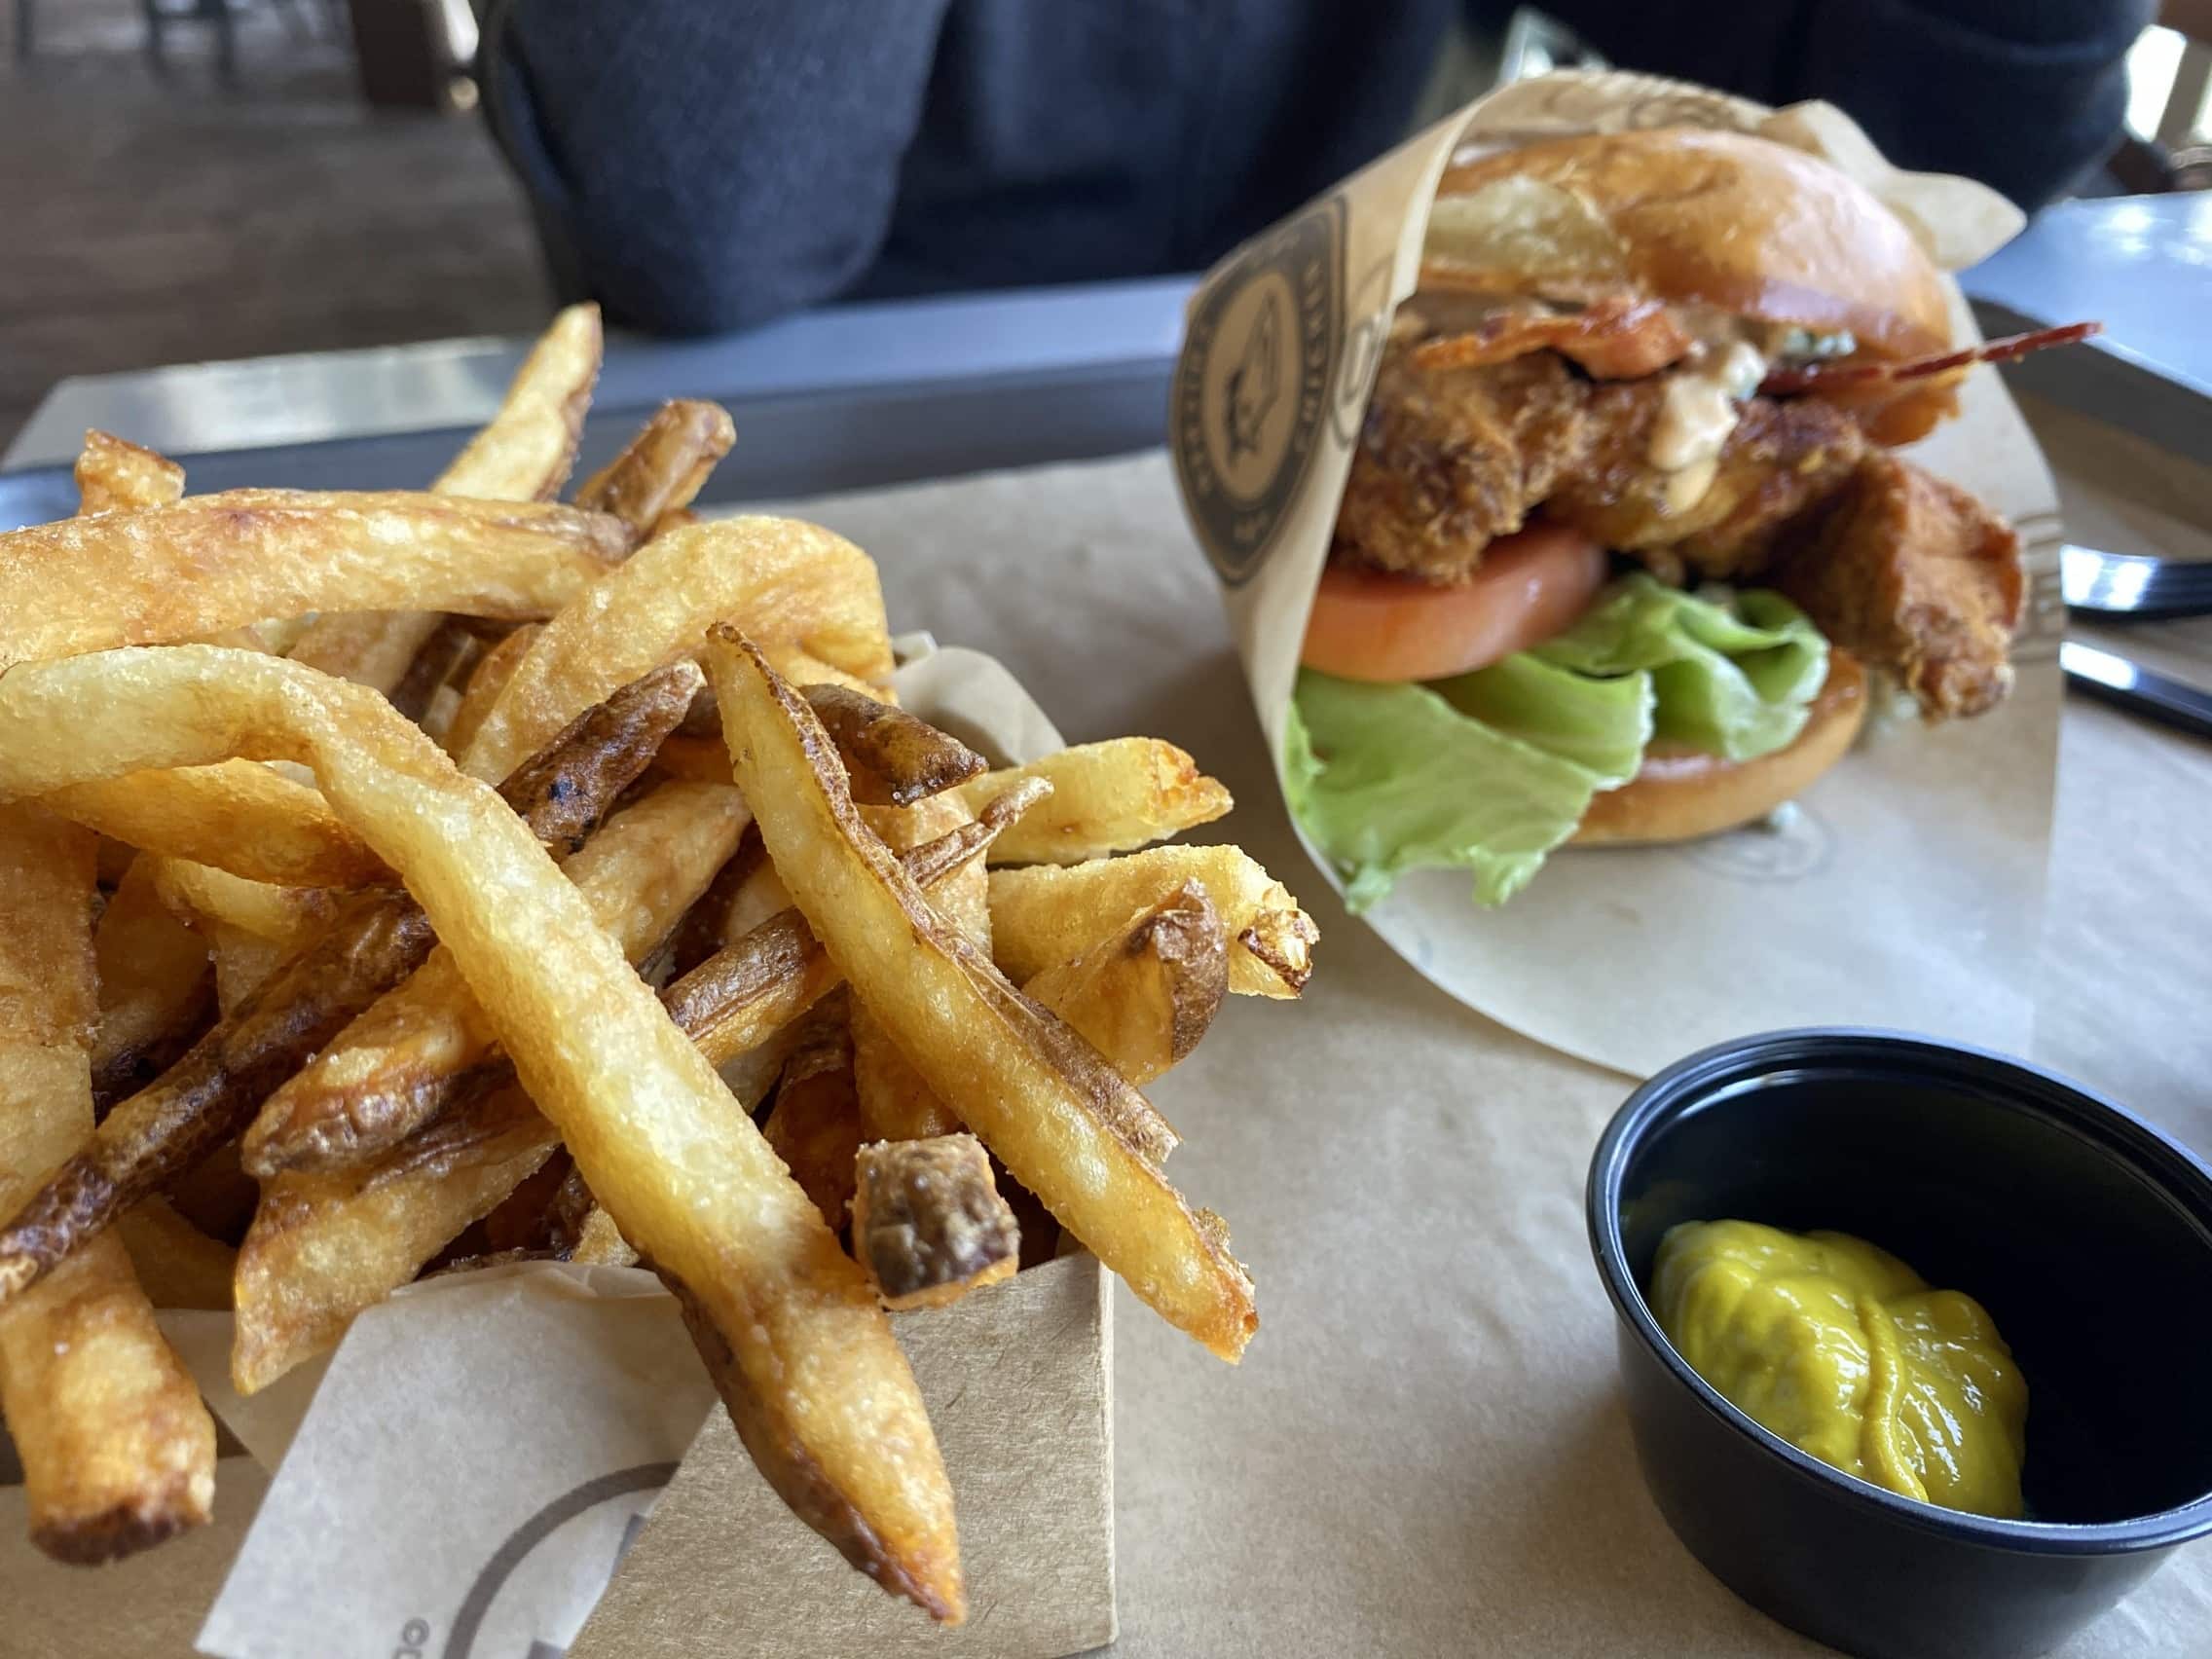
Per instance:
(1489,771)
(1734,672)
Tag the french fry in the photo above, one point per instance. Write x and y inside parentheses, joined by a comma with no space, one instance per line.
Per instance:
(178,1265)
(894,1103)
(1145,996)
(379,936)
(113,475)
(523,454)
(400,1062)
(157,987)
(287,916)
(1038,1096)
(894,758)
(804,587)
(118,1452)
(581,1231)
(1047,915)
(814,1125)
(661,470)
(451,648)
(744,995)
(244,964)
(1107,798)
(369,648)
(492,671)
(324,1247)
(238,816)
(928,1222)
(158,574)
(814,1378)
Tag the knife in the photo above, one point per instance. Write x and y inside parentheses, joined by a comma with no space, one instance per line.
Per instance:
(2115,680)
(2120,587)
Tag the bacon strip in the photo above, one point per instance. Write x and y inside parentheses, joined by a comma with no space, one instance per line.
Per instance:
(1619,338)
(1821,377)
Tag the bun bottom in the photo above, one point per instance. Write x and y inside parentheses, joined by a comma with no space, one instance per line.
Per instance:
(1683,794)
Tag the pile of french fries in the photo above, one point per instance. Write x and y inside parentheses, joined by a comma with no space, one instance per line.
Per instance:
(393,882)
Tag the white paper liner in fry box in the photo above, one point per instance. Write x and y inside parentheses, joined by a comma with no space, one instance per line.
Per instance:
(1906,888)
(528,1459)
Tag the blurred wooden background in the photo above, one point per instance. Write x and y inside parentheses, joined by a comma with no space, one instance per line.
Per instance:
(157,220)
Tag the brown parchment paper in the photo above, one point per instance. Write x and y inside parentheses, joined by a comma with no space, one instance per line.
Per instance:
(1906,888)
(1424,1453)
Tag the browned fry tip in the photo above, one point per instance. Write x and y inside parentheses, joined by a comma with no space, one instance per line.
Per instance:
(894,757)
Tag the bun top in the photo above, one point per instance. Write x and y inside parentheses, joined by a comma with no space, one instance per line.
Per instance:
(1689,216)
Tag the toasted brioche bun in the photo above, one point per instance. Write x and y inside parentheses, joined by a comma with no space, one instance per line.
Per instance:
(1683,794)
(1687,216)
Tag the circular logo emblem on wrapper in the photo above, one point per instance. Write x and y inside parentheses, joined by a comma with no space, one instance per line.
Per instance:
(1251,395)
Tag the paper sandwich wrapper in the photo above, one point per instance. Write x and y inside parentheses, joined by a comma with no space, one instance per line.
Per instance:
(528,1462)
(1909,890)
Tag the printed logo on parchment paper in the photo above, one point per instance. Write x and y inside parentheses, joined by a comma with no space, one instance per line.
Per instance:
(1251,393)
(491,1622)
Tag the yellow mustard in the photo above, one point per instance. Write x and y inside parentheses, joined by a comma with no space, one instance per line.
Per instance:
(1845,1352)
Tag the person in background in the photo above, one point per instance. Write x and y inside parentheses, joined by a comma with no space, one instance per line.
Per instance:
(701,166)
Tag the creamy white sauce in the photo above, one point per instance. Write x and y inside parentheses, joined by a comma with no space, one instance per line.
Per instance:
(1700,410)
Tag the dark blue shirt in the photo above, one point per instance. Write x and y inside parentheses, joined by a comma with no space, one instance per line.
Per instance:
(707,165)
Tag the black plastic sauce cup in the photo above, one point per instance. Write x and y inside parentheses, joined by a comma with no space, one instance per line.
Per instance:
(2085,1233)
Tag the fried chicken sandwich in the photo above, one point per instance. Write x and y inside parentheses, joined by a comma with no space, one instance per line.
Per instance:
(1623,539)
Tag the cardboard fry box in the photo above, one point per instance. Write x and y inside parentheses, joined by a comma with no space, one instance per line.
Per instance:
(527,1460)
(1905,889)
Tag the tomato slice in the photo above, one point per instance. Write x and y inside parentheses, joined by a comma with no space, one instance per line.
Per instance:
(1367,625)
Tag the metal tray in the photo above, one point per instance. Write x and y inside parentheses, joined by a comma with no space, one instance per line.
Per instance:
(788,444)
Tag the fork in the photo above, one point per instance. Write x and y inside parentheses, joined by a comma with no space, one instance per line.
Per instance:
(2131,587)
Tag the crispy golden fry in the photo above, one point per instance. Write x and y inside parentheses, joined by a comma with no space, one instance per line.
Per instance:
(1145,996)
(702,759)
(581,1231)
(525,451)
(397,1064)
(1107,798)
(379,936)
(113,475)
(740,997)
(369,648)
(661,470)
(894,758)
(802,584)
(244,964)
(178,1265)
(118,1452)
(818,1384)
(523,455)
(894,1103)
(928,1222)
(289,916)
(493,669)
(239,817)
(157,987)
(451,650)
(599,1243)
(1038,1095)
(208,561)
(706,927)
(1046,915)
(814,1125)
(322,1248)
